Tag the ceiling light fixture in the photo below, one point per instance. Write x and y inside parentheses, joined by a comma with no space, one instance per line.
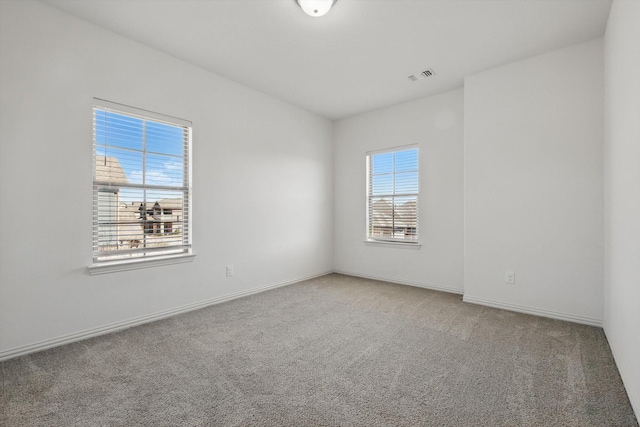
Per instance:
(316,8)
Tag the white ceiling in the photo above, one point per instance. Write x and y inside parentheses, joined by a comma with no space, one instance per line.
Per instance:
(358,56)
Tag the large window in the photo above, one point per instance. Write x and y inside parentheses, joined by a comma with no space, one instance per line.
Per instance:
(392,195)
(141,183)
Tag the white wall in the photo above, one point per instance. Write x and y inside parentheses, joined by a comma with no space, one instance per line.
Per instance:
(262,173)
(533,184)
(622,192)
(436,125)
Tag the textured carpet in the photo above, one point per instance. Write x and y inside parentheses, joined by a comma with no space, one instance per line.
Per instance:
(333,351)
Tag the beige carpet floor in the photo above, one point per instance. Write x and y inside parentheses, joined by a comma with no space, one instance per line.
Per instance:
(332,351)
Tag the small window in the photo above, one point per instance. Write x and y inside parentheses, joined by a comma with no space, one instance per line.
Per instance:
(392,195)
(141,183)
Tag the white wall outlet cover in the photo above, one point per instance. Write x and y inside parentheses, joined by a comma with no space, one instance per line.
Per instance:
(510,277)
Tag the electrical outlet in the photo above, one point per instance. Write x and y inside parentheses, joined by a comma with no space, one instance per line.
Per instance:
(229,270)
(510,277)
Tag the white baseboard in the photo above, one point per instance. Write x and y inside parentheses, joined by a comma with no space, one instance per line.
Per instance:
(535,311)
(402,282)
(622,363)
(113,327)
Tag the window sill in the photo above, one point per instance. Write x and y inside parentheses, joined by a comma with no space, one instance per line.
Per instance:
(115,266)
(399,245)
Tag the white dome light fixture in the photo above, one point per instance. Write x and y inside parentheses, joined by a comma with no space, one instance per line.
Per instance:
(316,8)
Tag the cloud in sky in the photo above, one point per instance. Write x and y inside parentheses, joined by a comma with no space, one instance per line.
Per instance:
(156,177)
(168,173)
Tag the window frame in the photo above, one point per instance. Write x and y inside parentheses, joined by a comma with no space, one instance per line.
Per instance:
(178,253)
(392,241)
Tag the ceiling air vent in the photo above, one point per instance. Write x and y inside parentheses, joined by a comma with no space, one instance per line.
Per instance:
(419,76)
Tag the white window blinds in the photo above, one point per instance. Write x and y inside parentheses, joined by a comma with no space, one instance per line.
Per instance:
(392,195)
(141,183)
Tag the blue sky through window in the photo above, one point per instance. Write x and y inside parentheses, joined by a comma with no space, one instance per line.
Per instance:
(147,150)
(394,173)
